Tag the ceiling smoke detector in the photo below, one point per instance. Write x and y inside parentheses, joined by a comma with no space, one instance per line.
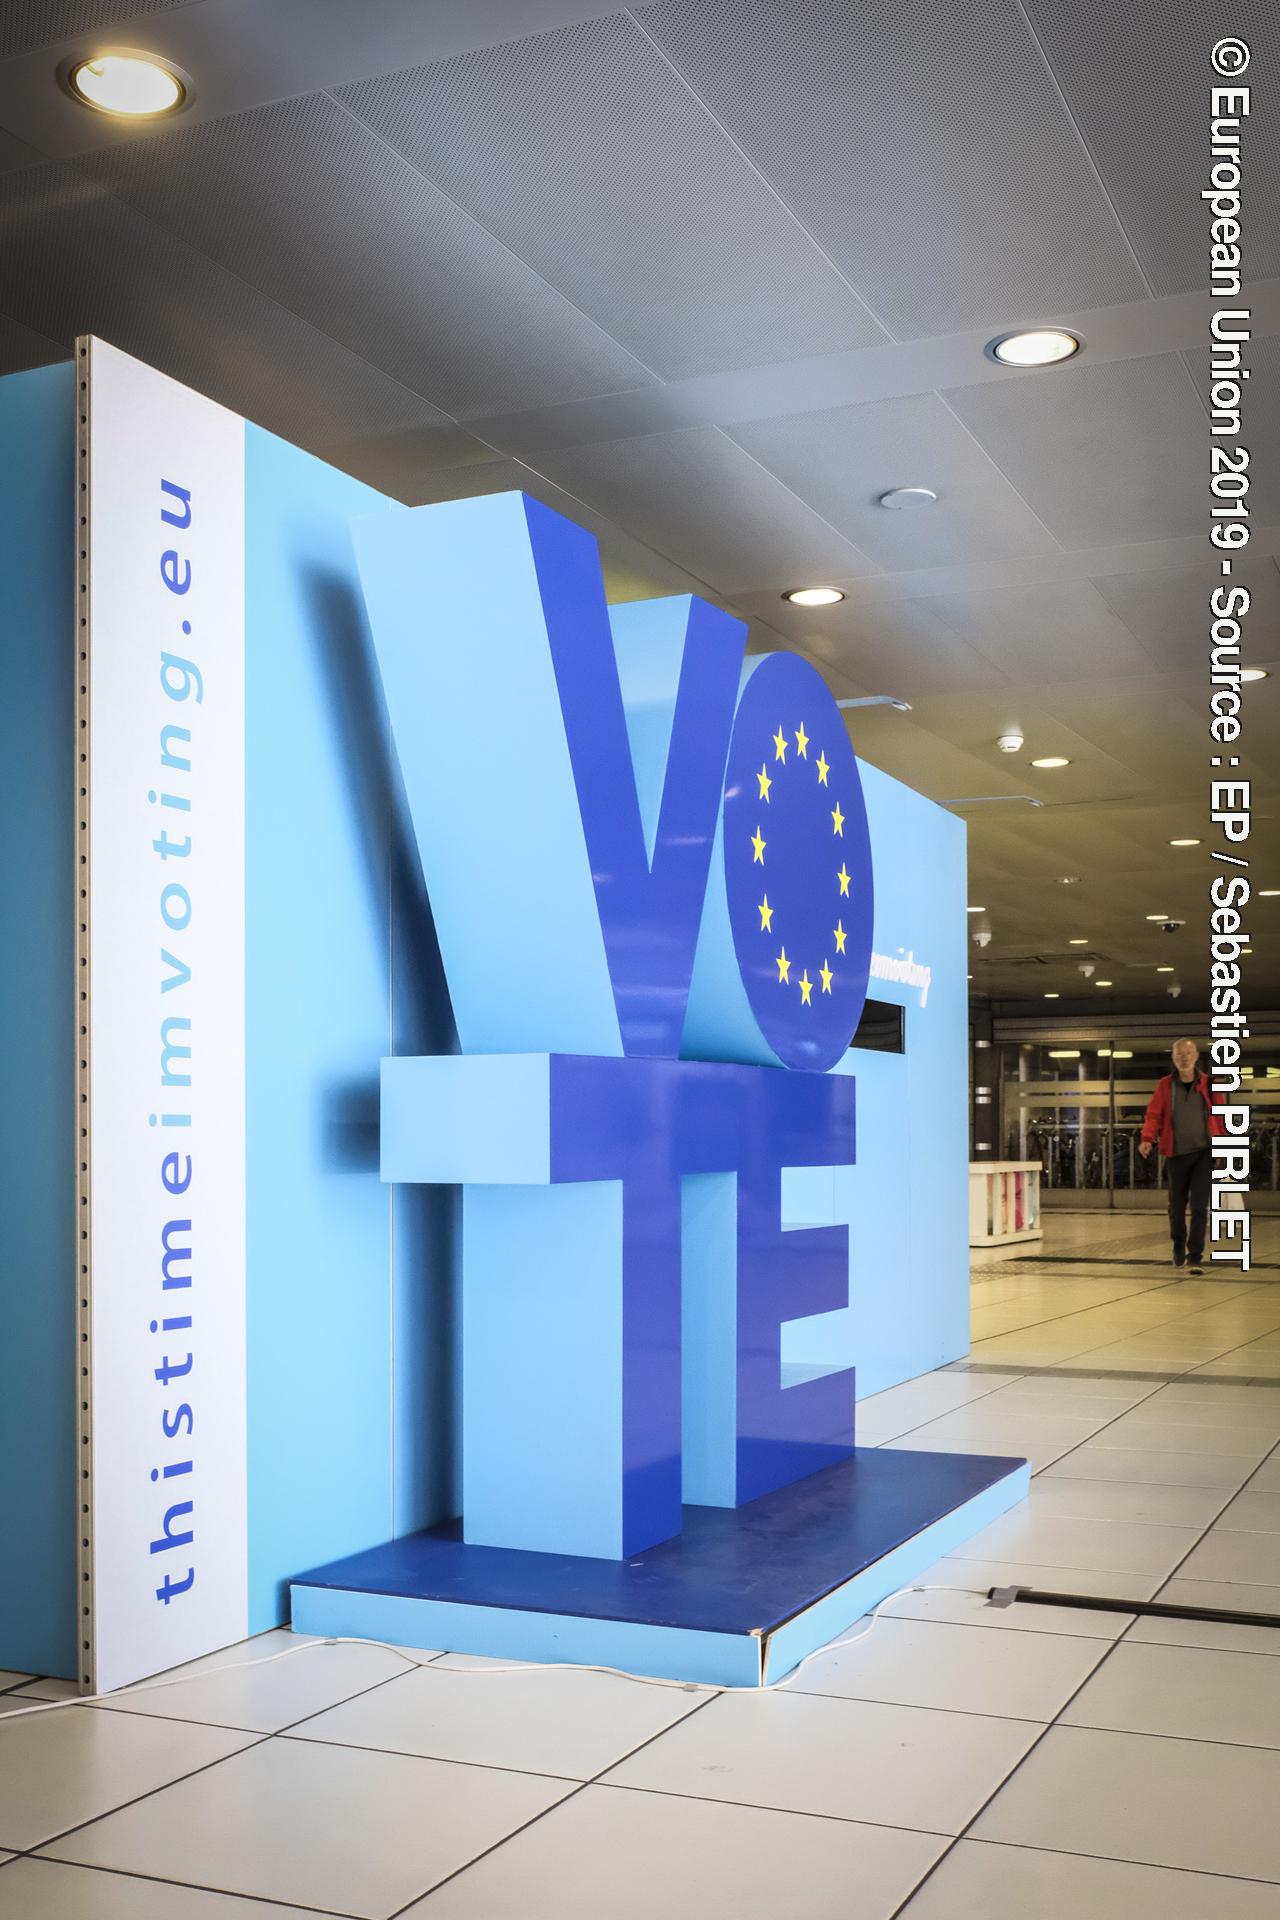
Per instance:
(1010,743)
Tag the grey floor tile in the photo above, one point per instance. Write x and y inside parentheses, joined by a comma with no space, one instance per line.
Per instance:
(611,1854)
(1169,1803)
(59,1769)
(1162,1408)
(982,1881)
(51,1689)
(1252,1512)
(852,1759)
(1095,1462)
(1207,1633)
(48,1890)
(10,1679)
(1249,1443)
(263,1698)
(1253,1559)
(1188,1693)
(329,1827)
(540,1721)
(1267,1478)
(1147,1503)
(1050,1541)
(925,1663)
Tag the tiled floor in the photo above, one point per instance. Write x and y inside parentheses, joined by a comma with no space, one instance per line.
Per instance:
(963,1760)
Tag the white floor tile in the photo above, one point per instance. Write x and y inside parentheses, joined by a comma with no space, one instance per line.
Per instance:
(982,1881)
(1094,1462)
(1208,1633)
(1188,1693)
(541,1721)
(1251,1558)
(329,1827)
(1049,1541)
(267,1697)
(1267,1478)
(8,1679)
(854,1760)
(48,1890)
(923,1663)
(1252,1512)
(51,1689)
(1208,1413)
(1132,1430)
(1003,1444)
(610,1854)
(58,1769)
(1146,1503)
(1070,1386)
(973,1608)
(986,1422)
(1171,1803)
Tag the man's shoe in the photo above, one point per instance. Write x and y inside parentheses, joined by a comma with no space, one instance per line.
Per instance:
(1195,1267)
(1178,1260)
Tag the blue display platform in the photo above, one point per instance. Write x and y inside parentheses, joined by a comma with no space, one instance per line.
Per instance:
(737,1599)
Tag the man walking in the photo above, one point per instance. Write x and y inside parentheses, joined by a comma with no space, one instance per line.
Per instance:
(1182,1119)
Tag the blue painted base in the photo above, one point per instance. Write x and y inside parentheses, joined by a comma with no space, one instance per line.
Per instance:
(737,1599)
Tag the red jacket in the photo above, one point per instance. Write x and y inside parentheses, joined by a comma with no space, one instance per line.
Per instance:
(1158,1124)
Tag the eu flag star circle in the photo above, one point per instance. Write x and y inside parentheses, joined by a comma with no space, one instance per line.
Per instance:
(797,864)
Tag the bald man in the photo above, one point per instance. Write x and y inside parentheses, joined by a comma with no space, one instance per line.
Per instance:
(1182,1120)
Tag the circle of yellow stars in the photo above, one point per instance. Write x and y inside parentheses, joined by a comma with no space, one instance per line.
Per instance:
(839,932)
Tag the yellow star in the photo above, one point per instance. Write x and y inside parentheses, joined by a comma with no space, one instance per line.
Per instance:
(784,967)
(802,742)
(826,976)
(824,768)
(837,819)
(759,844)
(766,915)
(806,989)
(780,745)
(765,784)
(841,936)
(842,876)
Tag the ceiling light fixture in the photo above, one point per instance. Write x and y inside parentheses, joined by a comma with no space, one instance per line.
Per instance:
(975,909)
(899,498)
(1269,893)
(1164,969)
(1077,943)
(126,83)
(1064,1053)
(1053,996)
(813,596)
(1123,1053)
(1010,743)
(1158,916)
(1254,673)
(1033,347)
(878,700)
(1104,983)
(1052,760)
(1184,843)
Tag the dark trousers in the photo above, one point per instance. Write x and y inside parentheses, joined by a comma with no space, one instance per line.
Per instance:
(1189,1176)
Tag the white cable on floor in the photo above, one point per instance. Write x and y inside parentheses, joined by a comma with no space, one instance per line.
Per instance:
(544,1666)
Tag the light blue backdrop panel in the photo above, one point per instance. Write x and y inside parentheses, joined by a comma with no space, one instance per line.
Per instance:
(906,1199)
(37,990)
(350,1353)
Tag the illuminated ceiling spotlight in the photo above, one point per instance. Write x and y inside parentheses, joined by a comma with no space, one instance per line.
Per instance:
(813,596)
(1064,1053)
(1254,673)
(1078,943)
(1033,347)
(127,84)
(1051,760)
(1184,843)
(1104,983)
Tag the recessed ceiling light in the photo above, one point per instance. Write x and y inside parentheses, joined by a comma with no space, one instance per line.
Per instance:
(813,596)
(1033,347)
(1077,943)
(975,909)
(1104,983)
(1246,949)
(1184,843)
(1053,996)
(1164,969)
(1157,916)
(1269,893)
(1253,673)
(1104,1053)
(1009,742)
(899,498)
(1064,1053)
(1052,760)
(1122,1053)
(132,85)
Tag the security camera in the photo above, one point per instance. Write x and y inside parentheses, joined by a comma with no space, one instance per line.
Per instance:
(982,938)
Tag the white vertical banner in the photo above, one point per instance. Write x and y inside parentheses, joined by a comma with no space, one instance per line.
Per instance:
(163,1174)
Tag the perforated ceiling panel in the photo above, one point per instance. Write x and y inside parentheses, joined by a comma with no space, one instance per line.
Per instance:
(592,161)
(301,200)
(1137,81)
(1060,630)
(1103,454)
(26,25)
(1167,612)
(1259,419)
(708,506)
(923,144)
(902,648)
(113,273)
(843,459)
